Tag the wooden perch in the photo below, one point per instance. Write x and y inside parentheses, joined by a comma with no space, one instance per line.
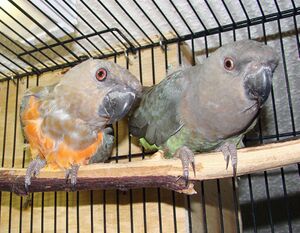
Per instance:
(155,172)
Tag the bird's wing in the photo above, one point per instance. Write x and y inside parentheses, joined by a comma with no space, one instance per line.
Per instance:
(104,151)
(156,118)
(38,92)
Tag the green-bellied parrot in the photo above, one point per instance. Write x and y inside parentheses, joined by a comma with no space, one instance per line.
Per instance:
(208,106)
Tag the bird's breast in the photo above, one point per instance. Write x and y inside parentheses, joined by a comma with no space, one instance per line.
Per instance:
(58,153)
(215,117)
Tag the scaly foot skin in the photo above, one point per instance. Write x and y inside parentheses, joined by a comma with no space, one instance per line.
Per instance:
(187,157)
(33,170)
(229,151)
(72,175)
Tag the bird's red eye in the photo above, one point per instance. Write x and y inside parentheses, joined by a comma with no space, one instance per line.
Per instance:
(101,74)
(228,63)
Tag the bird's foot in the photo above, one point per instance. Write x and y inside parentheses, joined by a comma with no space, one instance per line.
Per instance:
(33,169)
(27,201)
(72,175)
(229,151)
(187,157)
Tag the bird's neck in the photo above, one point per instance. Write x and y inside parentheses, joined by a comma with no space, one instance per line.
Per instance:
(216,109)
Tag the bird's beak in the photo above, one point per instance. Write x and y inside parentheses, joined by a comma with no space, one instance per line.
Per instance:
(258,84)
(116,104)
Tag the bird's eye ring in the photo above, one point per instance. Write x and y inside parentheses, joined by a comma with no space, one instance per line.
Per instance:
(228,63)
(101,74)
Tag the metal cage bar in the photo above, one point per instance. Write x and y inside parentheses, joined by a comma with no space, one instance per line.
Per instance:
(90,26)
(131,44)
(211,31)
(79,31)
(99,19)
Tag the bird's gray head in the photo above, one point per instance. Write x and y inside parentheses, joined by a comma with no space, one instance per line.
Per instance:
(230,88)
(109,89)
(251,62)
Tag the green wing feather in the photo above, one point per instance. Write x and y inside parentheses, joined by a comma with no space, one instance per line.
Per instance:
(156,119)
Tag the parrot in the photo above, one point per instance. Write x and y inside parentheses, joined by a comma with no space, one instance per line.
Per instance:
(206,107)
(69,123)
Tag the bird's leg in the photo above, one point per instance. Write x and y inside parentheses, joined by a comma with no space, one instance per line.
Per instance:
(27,201)
(187,157)
(72,174)
(33,169)
(229,151)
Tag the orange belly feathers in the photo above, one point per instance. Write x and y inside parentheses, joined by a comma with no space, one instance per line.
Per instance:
(59,156)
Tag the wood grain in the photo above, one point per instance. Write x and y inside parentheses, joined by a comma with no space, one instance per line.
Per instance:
(155,172)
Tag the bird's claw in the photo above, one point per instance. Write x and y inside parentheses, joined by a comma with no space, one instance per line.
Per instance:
(72,175)
(33,170)
(229,151)
(227,160)
(187,157)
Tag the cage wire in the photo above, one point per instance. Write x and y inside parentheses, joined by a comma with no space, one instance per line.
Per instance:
(39,38)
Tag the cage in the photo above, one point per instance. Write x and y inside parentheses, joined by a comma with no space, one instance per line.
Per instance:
(39,39)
